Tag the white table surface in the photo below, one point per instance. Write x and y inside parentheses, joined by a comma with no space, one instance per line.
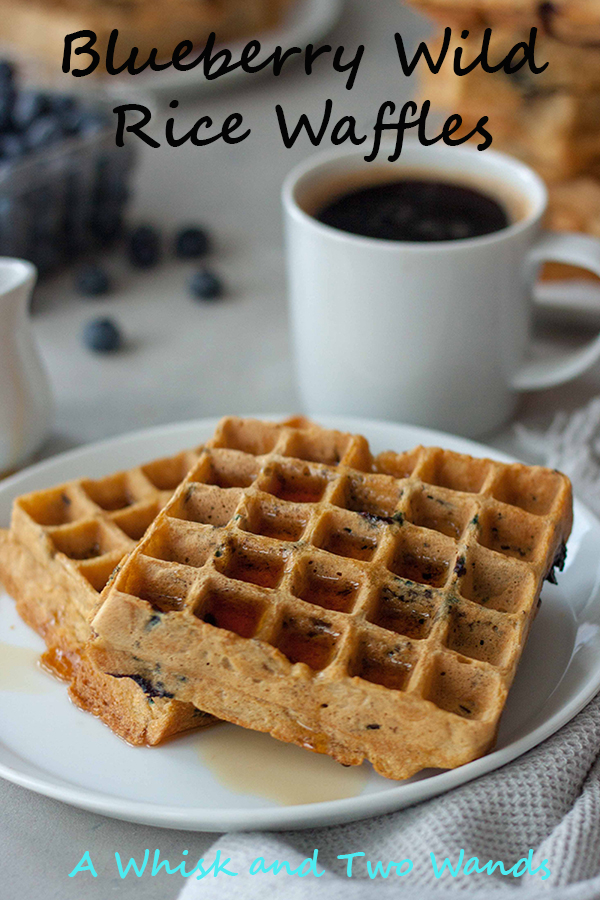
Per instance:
(186,359)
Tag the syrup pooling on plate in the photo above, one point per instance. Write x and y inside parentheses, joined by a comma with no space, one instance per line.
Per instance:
(248,762)
(20,670)
(58,663)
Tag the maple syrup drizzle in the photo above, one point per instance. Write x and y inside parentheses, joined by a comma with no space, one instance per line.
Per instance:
(249,762)
(20,670)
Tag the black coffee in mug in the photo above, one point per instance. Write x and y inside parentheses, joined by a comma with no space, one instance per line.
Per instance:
(413,209)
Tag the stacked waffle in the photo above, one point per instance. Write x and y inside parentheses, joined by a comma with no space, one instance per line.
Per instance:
(552,119)
(294,584)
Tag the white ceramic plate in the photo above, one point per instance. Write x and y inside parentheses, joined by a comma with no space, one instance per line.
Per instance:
(306,21)
(49,746)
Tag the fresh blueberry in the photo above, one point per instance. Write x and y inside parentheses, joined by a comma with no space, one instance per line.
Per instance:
(107,221)
(191,243)
(46,254)
(43,132)
(102,335)
(144,247)
(205,285)
(7,93)
(11,146)
(111,179)
(92,281)
(69,112)
(90,123)
(29,106)
(7,102)
(7,72)
(63,104)
(8,233)
(72,123)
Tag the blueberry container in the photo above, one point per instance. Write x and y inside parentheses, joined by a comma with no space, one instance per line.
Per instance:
(64,196)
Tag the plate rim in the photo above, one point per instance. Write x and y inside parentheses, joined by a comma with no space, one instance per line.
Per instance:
(287,817)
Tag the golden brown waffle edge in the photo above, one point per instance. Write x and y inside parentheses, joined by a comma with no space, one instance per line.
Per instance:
(61,548)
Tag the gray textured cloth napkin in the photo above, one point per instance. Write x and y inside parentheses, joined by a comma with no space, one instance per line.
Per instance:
(548,801)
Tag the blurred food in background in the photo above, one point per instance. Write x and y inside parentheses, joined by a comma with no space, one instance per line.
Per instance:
(64,185)
(550,120)
(38,27)
(63,182)
(576,21)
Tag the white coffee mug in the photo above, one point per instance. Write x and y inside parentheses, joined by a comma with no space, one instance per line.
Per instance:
(435,334)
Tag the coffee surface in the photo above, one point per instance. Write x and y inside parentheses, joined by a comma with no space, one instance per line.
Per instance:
(415,210)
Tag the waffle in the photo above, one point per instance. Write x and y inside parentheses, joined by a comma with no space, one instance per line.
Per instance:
(361,608)
(571,69)
(573,205)
(550,120)
(38,27)
(574,22)
(59,553)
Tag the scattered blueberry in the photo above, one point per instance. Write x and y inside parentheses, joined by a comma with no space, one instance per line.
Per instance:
(92,281)
(191,243)
(47,255)
(102,335)
(144,247)
(107,221)
(205,285)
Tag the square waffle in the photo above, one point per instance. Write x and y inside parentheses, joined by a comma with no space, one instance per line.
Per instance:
(362,608)
(61,548)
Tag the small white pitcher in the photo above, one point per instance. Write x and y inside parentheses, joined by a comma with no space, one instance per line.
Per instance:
(25,399)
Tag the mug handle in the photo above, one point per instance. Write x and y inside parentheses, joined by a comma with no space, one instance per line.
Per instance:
(575,250)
